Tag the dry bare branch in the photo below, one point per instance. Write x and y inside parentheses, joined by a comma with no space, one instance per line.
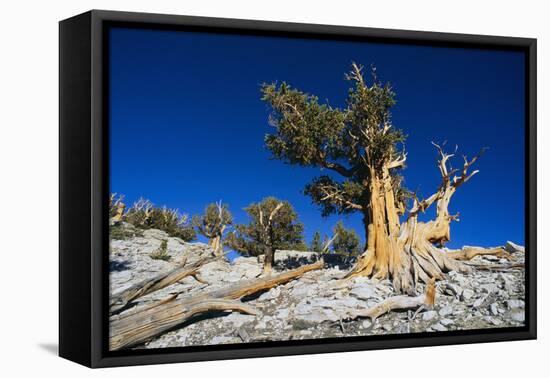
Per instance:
(401,302)
(121,299)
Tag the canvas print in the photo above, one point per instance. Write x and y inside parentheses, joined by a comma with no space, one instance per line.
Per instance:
(272,188)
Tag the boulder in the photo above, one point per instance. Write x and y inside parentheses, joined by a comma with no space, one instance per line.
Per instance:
(513,247)
(517,315)
(467,294)
(446,311)
(429,315)
(364,292)
(515,303)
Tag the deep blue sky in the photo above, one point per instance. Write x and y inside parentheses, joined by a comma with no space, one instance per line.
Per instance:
(187,124)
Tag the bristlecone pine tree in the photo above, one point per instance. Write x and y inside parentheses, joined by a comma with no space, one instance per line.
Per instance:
(360,144)
(213,223)
(273,225)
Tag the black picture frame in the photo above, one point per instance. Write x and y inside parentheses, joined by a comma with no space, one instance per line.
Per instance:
(84,165)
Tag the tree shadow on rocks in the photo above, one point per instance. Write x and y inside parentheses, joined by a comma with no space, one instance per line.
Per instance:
(294,262)
(331,260)
(342,262)
(118,266)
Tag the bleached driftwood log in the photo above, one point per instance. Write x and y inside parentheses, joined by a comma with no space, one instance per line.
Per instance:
(121,299)
(133,329)
(468,253)
(400,302)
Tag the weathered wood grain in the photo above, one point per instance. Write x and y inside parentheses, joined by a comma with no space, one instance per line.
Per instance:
(400,302)
(120,300)
(468,253)
(134,329)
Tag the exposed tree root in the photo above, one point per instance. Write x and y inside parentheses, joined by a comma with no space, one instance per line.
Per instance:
(133,329)
(121,299)
(401,302)
(412,258)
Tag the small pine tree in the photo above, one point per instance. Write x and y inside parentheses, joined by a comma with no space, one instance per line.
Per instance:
(302,247)
(273,225)
(316,245)
(346,242)
(161,253)
(213,223)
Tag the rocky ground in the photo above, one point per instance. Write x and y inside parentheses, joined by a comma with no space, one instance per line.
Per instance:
(317,304)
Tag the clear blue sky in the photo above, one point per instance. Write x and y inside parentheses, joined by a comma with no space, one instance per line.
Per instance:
(187,124)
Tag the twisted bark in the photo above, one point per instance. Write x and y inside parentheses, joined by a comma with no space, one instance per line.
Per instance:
(408,252)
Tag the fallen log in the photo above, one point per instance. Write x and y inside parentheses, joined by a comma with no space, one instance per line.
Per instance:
(400,302)
(144,307)
(498,267)
(134,329)
(267,282)
(468,253)
(121,299)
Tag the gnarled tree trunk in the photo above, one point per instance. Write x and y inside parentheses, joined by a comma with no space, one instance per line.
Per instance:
(267,226)
(269,260)
(216,243)
(409,252)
